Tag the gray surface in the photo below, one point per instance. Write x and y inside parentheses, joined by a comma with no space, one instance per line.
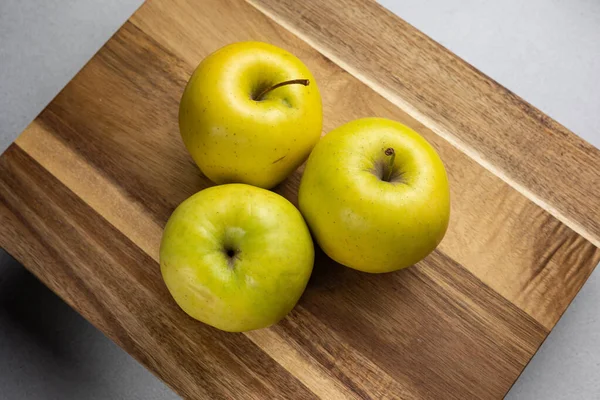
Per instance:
(548,52)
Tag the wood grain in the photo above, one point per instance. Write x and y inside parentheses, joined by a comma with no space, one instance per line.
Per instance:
(87,188)
(353,335)
(498,247)
(533,153)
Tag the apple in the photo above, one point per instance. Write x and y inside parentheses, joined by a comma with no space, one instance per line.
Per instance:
(375,195)
(236,257)
(251,113)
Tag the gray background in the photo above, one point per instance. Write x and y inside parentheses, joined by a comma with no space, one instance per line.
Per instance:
(546,51)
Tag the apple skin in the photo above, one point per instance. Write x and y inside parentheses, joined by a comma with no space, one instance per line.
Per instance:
(234,138)
(362,221)
(259,281)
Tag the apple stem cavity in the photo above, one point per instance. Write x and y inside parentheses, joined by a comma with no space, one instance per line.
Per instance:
(304,82)
(391,154)
(231,255)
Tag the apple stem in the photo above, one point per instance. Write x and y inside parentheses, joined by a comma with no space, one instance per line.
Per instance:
(392,157)
(304,82)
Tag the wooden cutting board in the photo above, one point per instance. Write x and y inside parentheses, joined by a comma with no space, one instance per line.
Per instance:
(87,188)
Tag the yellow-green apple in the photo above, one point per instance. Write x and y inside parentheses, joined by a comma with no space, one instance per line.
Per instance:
(375,195)
(236,257)
(250,113)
